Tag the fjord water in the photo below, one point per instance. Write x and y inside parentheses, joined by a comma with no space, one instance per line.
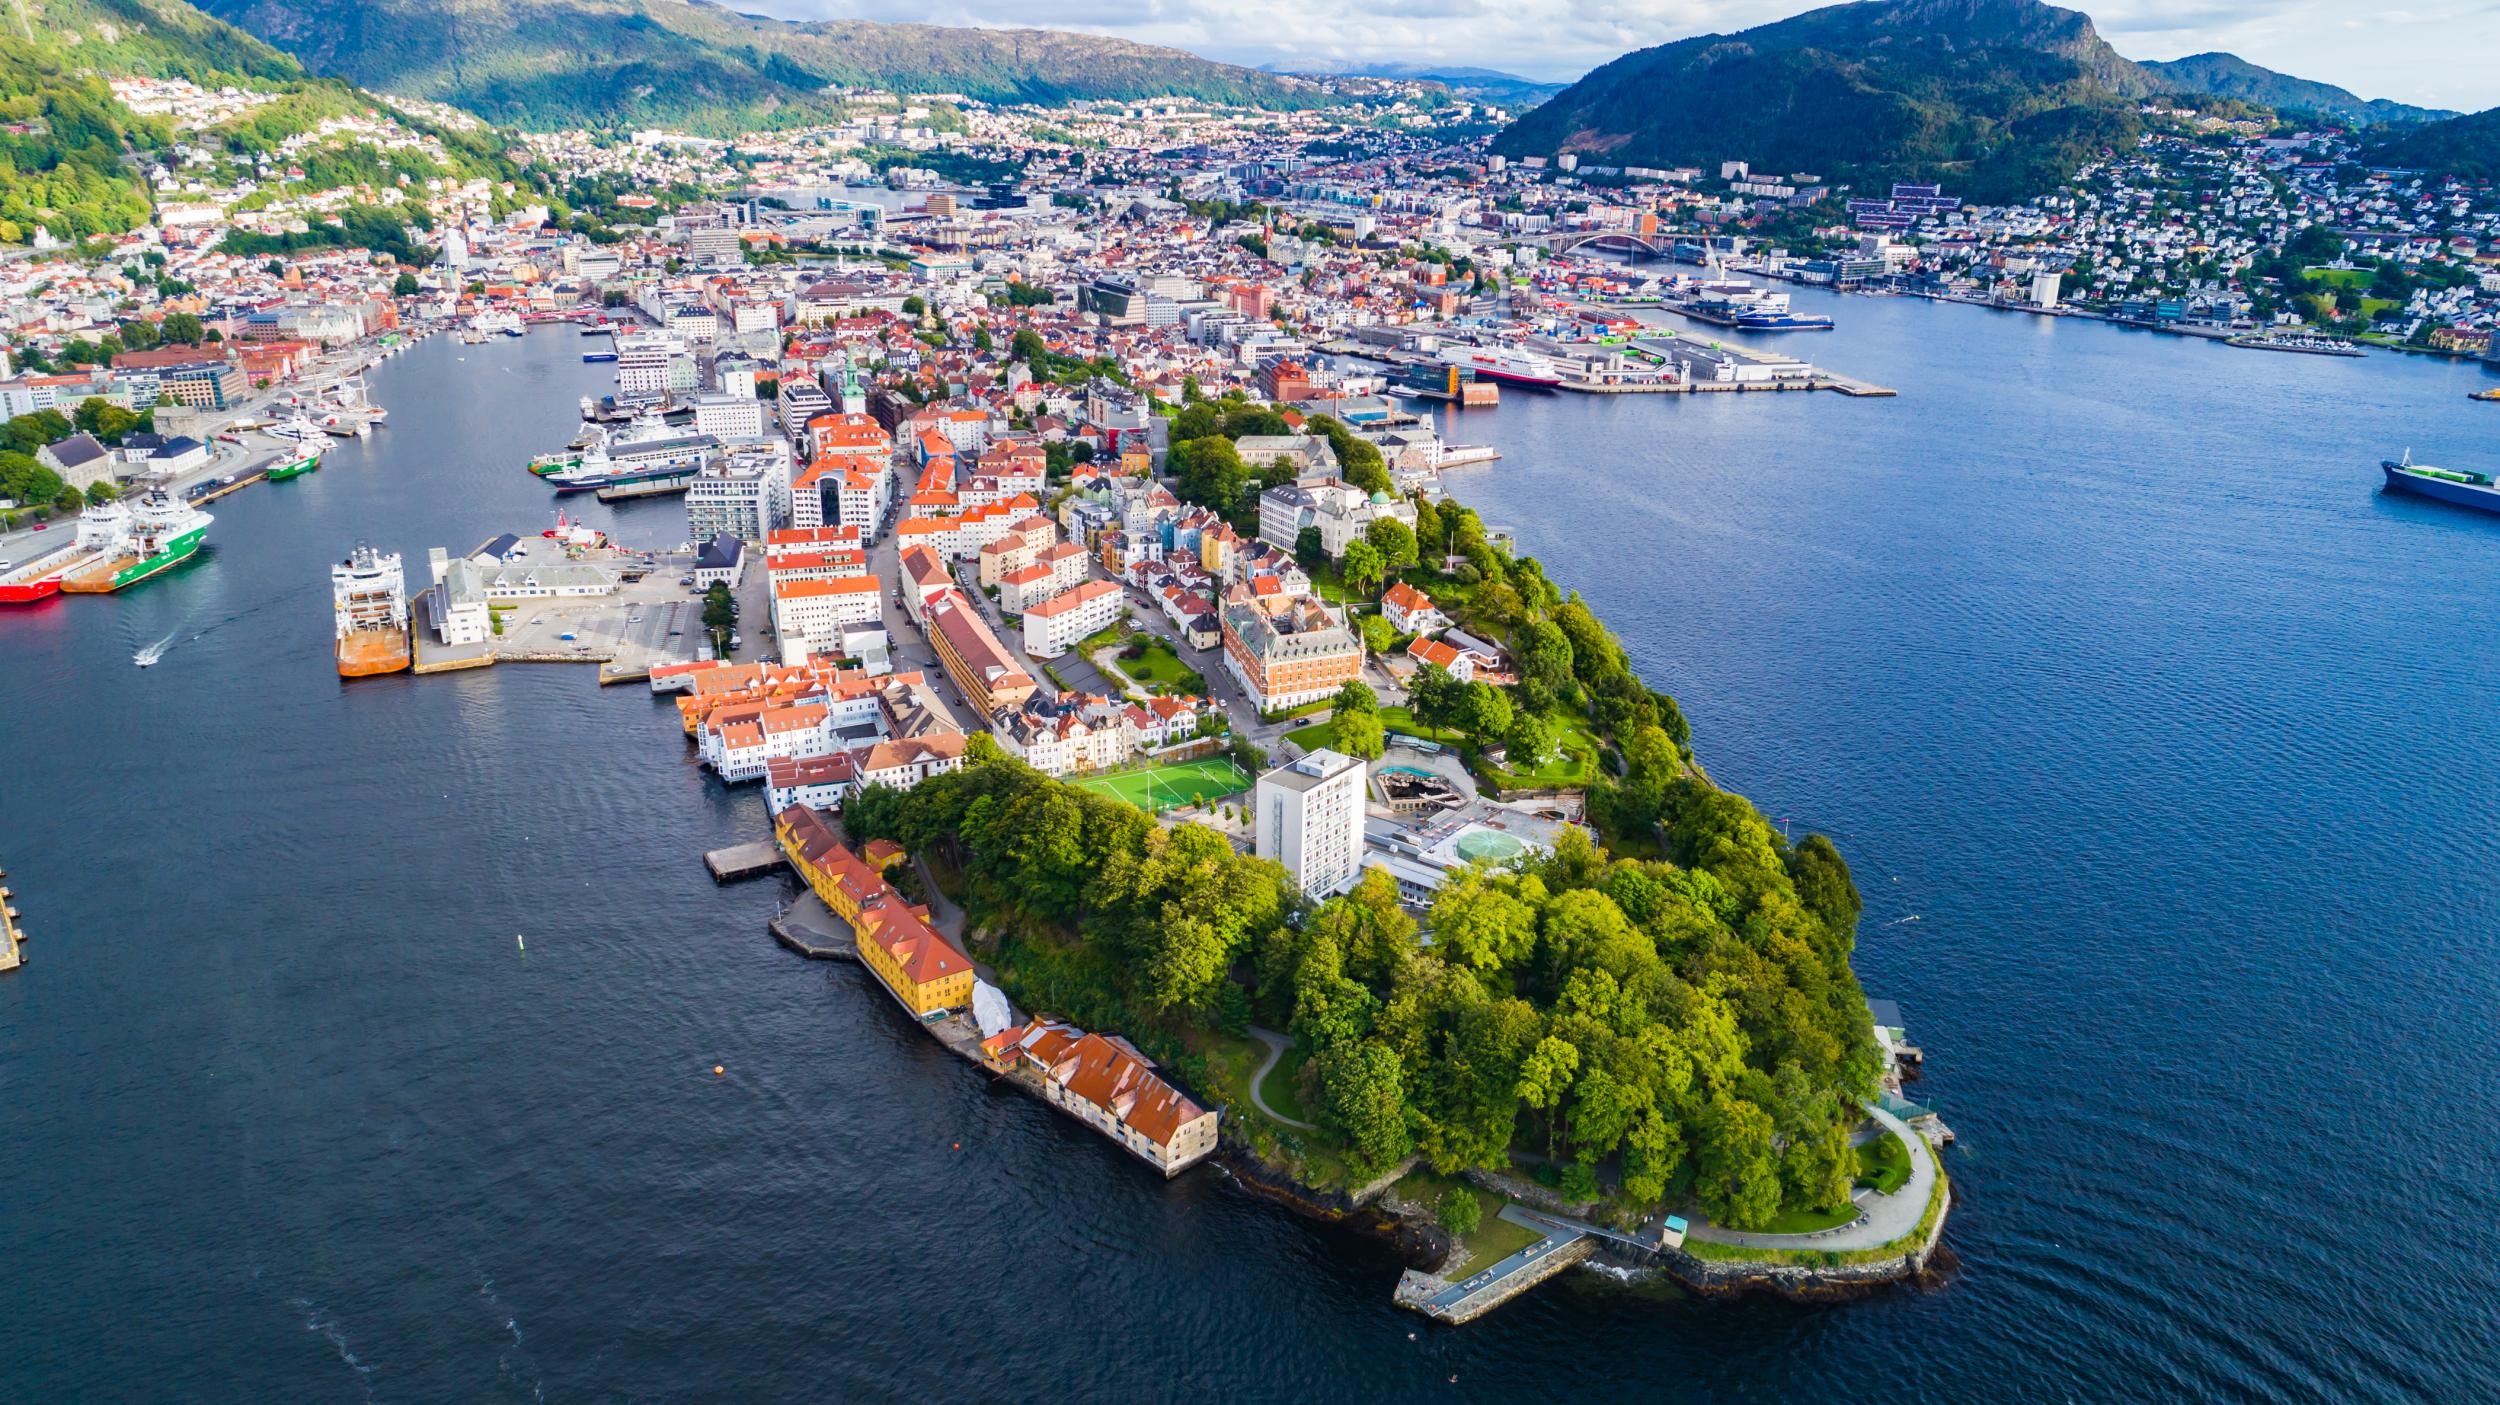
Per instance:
(2101,654)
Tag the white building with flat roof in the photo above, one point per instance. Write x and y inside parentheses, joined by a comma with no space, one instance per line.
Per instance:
(1309,817)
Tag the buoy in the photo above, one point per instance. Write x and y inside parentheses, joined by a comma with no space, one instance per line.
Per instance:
(718,1070)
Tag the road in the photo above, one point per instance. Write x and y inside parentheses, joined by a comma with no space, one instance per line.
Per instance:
(1277,1046)
(1882,1219)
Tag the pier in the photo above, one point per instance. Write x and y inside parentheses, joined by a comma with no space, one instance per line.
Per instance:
(809,928)
(11,939)
(739,862)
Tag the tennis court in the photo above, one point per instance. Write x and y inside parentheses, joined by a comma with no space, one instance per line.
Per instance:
(1162,788)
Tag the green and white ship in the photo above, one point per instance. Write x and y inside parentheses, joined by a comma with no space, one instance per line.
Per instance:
(132,542)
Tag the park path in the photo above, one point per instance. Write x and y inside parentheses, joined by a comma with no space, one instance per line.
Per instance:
(1276,1044)
(1884,1218)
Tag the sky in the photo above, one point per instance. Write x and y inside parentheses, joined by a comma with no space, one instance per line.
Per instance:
(2434,53)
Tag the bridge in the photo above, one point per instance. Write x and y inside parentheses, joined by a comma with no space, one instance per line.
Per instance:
(1611,240)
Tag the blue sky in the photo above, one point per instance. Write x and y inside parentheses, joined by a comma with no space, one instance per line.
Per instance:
(2438,53)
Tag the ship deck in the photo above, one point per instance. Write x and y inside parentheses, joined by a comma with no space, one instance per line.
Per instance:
(370,651)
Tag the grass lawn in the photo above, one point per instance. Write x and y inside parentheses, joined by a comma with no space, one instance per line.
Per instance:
(1808,1221)
(2341,277)
(1884,1164)
(1280,1089)
(2372,307)
(1159,666)
(1160,788)
(1494,1238)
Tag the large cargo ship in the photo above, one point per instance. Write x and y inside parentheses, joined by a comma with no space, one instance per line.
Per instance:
(301,460)
(134,542)
(369,599)
(1499,363)
(2448,485)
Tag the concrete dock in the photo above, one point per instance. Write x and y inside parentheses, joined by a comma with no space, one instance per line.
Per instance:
(740,861)
(809,928)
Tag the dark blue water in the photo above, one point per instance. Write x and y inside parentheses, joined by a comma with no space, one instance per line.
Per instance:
(2100,653)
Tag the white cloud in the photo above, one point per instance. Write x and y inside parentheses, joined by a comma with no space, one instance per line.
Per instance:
(2433,52)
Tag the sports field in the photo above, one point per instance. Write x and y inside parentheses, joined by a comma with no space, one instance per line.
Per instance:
(1165,787)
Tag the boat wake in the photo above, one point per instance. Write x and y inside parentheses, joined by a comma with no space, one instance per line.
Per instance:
(318,1320)
(147,657)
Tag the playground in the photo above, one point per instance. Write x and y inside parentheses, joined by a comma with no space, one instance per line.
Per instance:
(1156,789)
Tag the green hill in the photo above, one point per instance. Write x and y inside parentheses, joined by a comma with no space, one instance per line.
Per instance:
(1984,94)
(2230,76)
(554,63)
(72,155)
(2467,146)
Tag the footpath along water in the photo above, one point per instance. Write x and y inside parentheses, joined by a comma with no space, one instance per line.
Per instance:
(2121,672)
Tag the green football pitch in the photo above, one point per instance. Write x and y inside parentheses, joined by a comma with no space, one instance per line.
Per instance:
(1163,788)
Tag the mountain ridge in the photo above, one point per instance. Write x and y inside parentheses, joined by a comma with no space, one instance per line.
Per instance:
(557,63)
(2001,99)
(2226,75)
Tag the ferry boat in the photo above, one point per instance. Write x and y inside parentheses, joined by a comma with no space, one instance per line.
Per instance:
(1782,321)
(1499,363)
(38,578)
(2448,485)
(132,543)
(644,453)
(369,601)
(304,462)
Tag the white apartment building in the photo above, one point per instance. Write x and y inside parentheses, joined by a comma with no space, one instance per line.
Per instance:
(1309,817)
(729,416)
(745,493)
(1054,626)
(809,615)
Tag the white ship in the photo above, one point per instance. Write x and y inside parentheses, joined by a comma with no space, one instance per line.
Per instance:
(1502,363)
(369,604)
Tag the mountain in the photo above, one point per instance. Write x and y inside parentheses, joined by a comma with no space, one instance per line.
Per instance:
(1998,98)
(2467,146)
(690,63)
(2230,76)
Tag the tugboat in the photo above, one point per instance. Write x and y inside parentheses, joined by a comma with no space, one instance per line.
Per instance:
(2448,485)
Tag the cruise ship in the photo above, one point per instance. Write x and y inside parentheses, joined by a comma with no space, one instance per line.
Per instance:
(642,454)
(369,598)
(2448,485)
(129,543)
(1501,363)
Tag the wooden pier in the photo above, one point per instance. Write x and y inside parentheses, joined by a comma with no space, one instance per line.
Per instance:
(10,937)
(742,861)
